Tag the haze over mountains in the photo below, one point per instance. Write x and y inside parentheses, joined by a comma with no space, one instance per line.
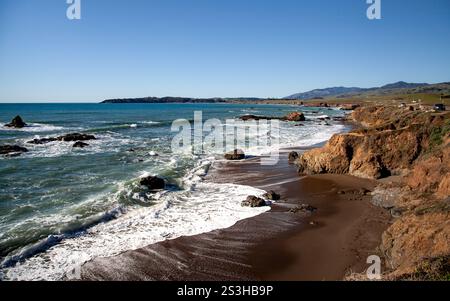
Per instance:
(333,92)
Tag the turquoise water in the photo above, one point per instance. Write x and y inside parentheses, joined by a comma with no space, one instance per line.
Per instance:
(57,195)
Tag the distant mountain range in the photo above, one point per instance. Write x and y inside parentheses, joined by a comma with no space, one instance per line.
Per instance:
(398,87)
(334,92)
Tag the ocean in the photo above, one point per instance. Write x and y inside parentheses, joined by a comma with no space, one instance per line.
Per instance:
(62,206)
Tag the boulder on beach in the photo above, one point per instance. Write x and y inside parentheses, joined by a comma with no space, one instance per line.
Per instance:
(253,201)
(17,123)
(153,183)
(80,144)
(11,149)
(295,116)
(293,156)
(272,195)
(237,154)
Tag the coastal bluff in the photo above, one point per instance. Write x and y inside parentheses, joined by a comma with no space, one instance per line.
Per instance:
(408,152)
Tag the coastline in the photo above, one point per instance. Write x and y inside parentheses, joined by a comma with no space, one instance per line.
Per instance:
(328,244)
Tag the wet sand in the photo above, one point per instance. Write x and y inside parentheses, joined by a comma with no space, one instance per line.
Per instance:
(327,244)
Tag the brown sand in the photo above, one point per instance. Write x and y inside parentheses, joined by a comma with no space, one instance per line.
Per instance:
(277,245)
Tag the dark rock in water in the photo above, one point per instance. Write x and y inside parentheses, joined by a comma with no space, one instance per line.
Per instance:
(80,144)
(299,124)
(76,137)
(272,195)
(66,138)
(153,183)
(237,154)
(253,201)
(42,141)
(305,208)
(17,122)
(10,149)
(253,117)
(293,156)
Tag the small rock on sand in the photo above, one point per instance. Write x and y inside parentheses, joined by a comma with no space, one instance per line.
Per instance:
(253,201)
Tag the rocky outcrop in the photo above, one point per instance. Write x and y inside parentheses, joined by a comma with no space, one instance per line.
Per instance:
(12,149)
(237,154)
(253,201)
(153,183)
(415,145)
(66,138)
(386,148)
(17,122)
(294,116)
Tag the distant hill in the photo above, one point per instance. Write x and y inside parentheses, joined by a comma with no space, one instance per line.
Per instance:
(394,88)
(398,88)
(170,99)
(327,92)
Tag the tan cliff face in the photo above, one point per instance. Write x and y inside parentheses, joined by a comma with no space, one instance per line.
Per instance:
(416,146)
(390,145)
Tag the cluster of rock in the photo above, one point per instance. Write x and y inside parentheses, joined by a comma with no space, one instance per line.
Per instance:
(254,201)
(15,150)
(12,150)
(294,116)
(74,137)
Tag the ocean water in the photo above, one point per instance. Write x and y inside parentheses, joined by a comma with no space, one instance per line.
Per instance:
(60,206)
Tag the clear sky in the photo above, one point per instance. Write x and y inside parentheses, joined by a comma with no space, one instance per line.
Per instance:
(209,48)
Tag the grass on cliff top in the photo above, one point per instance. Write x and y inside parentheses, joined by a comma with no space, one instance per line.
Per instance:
(438,134)
(426,99)
(386,99)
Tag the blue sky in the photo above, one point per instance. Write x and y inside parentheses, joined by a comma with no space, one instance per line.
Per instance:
(209,48)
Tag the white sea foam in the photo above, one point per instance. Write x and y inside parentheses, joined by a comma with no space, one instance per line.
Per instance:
(202,208)
(33,127)
(151,122)
(107,142)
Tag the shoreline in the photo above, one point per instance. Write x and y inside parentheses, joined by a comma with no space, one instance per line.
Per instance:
(327,244)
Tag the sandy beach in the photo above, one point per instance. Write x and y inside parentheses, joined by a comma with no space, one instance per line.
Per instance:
(284,243)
